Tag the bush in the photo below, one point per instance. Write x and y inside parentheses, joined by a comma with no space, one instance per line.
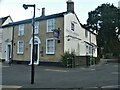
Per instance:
(68,59)
(97,60)
(108,55)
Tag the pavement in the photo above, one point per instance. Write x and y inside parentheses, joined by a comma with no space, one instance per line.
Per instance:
(100,77)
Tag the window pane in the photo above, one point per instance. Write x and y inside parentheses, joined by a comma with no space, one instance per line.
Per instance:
(72,26)
(36,28)
(0,47)
(50,46)
(50,25)
(0,35)
(21,30)
(20,47)
(86,33)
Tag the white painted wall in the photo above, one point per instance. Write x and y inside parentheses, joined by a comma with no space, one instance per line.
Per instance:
(73,44)
(77,45)
(1,42)
(7,34)
(93,40)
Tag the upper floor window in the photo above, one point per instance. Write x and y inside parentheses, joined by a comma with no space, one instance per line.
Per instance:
(50,46)
(21,30)
(86,33)
(50,25)
(20,48)
(0,47)
(36,28)
(1,35)
(72,26)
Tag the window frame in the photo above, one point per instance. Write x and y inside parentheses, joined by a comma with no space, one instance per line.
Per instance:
(1,35)
(0,47)
(50,26)
(53,46)
(86,33)
(18,47)
(90,49)
(36,28)
(21,30)
(72,26)
(87,49)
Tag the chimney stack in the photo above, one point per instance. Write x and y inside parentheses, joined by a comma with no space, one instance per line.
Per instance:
(119,4)
(43,12)
(70,6)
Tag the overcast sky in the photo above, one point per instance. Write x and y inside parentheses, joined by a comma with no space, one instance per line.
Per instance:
(16,11)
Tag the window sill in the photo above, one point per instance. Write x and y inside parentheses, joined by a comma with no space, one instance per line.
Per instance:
(50,53)
(49,31)
(20,35)
(19,53)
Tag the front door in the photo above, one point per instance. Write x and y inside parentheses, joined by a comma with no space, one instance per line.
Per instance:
(35,53)
(8,56)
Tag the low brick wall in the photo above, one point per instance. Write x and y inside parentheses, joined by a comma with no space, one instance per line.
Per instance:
(82,60)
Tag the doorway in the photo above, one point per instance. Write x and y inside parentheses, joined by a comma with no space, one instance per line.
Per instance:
(35,53)
(36,50)
(8,52)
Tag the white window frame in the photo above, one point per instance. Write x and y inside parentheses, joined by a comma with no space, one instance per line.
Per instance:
(36,28)
(50,25)
(90,49)
(53,46)
(0,47)
(1,35)
(87,49)
(21,30)
(72,26)
(18,47)
(86,33)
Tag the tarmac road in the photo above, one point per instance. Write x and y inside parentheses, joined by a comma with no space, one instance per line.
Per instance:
(18,76)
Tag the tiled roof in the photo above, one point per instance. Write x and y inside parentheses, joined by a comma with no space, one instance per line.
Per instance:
(36,19)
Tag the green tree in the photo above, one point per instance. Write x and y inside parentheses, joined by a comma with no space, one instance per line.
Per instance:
(105,19)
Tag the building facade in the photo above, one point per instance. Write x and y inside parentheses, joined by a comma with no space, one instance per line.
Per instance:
(5,35)
(49,44)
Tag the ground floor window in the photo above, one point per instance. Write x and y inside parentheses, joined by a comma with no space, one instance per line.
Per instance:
(90,49)
(50,46)
(20,48)
(87,52)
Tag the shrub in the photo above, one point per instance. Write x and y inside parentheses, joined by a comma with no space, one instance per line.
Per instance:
(97,60)
(108,55)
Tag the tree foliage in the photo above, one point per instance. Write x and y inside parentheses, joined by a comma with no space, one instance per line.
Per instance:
(105,20)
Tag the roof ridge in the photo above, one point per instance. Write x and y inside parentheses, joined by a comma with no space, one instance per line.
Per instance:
(36,19)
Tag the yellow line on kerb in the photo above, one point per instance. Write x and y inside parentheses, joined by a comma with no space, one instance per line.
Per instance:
(12,87)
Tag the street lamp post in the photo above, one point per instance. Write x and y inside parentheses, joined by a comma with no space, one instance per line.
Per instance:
(33,25)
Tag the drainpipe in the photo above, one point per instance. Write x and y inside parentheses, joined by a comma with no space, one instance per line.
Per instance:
(92,51)
(12,44)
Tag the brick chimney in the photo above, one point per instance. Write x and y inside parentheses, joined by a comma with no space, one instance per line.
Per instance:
(43,12)
(70,6)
